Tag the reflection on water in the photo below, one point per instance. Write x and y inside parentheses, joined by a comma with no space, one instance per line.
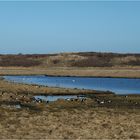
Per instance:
(118,85)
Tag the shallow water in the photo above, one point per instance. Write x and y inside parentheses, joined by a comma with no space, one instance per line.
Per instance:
(117,85)
(56,97)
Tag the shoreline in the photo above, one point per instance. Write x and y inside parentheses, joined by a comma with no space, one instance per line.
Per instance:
(89,76)
(65,88)
(1,75)
(56,90)
(118,77)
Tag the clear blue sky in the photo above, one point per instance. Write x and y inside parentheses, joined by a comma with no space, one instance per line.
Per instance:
(53,27)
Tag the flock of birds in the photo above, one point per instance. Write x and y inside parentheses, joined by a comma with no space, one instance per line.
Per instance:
(25,99)
(78,99)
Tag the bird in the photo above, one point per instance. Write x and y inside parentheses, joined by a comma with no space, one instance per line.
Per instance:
(109,101)
(73,81)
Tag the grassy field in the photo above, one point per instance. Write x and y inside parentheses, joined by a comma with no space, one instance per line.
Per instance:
(130,72)
(74,123)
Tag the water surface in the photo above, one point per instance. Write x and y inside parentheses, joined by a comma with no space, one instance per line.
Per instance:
(56,97)
(117,85)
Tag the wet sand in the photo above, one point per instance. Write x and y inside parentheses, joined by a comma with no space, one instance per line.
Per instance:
(100,116)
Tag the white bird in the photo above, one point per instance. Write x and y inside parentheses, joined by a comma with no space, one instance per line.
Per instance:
(102,102)
(73,80)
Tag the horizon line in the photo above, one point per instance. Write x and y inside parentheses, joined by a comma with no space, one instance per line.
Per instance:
(68,53)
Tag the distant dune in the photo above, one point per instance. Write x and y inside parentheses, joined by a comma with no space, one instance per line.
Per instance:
(81,59)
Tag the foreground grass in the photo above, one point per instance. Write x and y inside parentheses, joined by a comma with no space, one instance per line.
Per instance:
(74,123)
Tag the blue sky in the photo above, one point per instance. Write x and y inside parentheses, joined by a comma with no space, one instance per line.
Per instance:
(53,27)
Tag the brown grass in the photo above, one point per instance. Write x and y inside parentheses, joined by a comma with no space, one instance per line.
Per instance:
(69,124)
(18,60)
(131,72)
(86,59)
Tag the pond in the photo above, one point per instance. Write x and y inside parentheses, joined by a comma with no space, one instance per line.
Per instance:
(117,85)
(52,98)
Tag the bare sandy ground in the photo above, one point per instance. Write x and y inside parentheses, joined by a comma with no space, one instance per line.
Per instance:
(131,72)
